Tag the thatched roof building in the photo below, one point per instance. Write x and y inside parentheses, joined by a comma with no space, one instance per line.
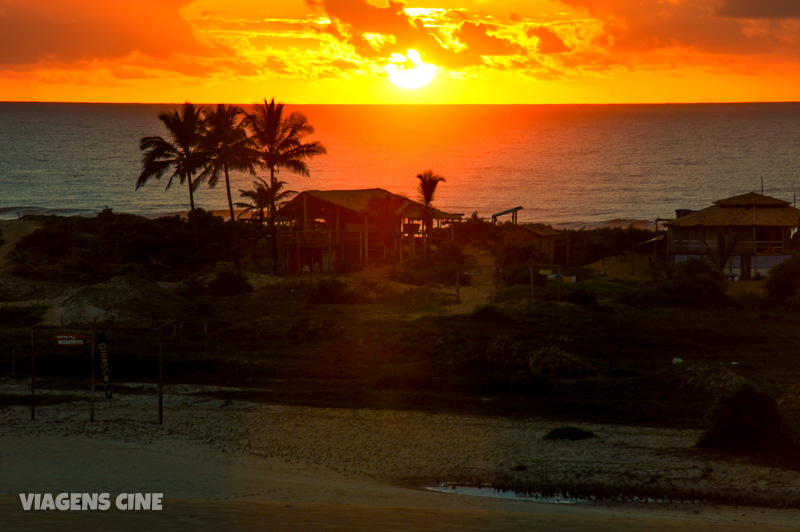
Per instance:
(740,211)
(750,233)
(360,226)
(359,202)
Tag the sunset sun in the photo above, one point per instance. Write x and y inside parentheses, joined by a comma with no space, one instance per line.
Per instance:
(409,71)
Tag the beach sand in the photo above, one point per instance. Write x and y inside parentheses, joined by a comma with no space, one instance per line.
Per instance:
(233,464)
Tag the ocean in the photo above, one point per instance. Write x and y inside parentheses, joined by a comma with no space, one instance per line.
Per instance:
(570,165)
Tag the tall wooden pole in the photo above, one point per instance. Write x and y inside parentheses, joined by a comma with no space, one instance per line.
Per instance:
(531,282)
(33,377)
(160,377)
(92,395)
(458,284)
(560,280)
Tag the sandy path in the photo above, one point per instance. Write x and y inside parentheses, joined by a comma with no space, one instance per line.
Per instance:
(12,231)
(348,467)
(207,489)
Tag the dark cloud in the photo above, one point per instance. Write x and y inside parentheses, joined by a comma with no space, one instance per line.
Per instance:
(351,19)
(758,9)
(549,42)
(650,25)
(479,42)
(82,30)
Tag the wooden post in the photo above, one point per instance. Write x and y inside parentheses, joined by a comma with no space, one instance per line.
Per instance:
(491,280)
(33,377)
(91,416)
(366,240)
(458,284)
(567,251)
(160,377)
(531,282)
(305,213)
(560,280)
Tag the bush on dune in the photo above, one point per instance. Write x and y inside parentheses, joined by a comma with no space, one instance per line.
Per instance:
(745,419)
(95,249)
(333,291)
(784,279)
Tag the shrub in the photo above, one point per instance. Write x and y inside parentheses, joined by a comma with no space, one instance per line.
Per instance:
(230,284)
(568,433)
(491,314)
(692,283)
(582,296)
(22,316)
(332,291)
(745,419)
(784,279)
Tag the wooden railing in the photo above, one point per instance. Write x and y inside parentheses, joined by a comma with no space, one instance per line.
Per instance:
(762,247)
(322,239)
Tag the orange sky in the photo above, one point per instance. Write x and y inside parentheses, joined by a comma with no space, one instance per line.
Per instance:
(335,51)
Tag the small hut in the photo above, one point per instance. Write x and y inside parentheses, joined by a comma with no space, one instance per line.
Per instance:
(539,235)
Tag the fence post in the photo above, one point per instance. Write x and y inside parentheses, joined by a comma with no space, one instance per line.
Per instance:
(531,282)
(91,418)
(33,376)
(160,377)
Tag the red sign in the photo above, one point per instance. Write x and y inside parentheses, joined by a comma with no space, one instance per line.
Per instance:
(71,339)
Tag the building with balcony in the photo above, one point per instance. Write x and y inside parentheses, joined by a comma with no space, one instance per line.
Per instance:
(751,232)
(369,226)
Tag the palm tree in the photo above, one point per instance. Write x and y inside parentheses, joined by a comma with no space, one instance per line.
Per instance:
(279,141)
(181,150)
(263,198)
(228,148)
(428,181)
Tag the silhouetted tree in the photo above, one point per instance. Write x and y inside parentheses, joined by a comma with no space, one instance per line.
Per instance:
(428,181)
(279,141)
(226,148)
(264,197)
(181,151)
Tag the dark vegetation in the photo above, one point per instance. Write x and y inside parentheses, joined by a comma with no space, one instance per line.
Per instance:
(746,419)
(75,249)
(228,283)
(569,433)
(605,358)
(784,280)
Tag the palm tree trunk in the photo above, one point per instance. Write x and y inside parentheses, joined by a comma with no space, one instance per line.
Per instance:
(192,216)
(233,220)
(272,232)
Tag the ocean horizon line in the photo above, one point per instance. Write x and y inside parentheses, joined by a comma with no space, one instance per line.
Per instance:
(417,104)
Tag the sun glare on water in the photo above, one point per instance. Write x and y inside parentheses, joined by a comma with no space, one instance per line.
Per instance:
(408,71)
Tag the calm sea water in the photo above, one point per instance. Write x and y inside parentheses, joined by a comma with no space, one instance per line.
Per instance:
(580,163)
